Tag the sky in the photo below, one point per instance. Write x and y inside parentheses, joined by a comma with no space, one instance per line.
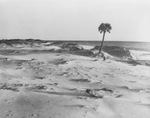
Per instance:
(75,19)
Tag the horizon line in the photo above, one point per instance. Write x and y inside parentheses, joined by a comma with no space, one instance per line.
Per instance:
(72,40)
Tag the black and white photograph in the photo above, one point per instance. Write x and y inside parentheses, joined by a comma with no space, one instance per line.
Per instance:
(74,58)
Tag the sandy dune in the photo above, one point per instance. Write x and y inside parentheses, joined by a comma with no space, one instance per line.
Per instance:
(59,85)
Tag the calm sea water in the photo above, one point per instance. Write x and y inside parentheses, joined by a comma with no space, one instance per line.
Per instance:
(130,45)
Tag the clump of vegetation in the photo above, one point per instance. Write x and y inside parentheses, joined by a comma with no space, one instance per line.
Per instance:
(71,46)
(117,51)
(10,42)
(120,52)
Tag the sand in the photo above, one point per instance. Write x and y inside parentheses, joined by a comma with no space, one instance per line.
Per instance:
(61,85)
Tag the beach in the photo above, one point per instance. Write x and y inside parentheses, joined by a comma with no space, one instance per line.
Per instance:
(65,80)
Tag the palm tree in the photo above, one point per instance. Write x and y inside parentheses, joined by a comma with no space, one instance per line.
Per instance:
(103,28)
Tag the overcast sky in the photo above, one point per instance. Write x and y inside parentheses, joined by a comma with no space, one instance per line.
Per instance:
(75,19)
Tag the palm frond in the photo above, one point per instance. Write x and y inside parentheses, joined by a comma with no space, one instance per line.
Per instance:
(104,27)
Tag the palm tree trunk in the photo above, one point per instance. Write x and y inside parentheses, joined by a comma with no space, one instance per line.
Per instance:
(100,49)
